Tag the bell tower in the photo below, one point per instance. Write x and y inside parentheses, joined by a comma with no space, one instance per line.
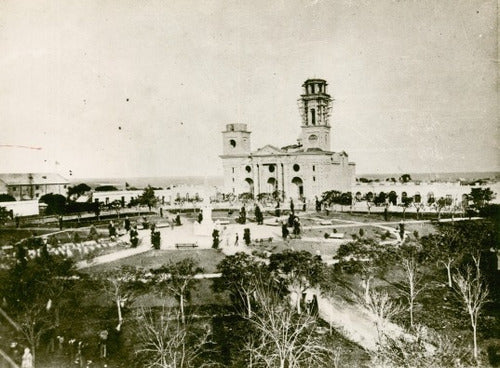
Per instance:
(315,106)
(236,140)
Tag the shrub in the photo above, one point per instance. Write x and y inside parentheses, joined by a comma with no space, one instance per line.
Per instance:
(327,235)
(215,239)
(76,238)
(6,198)
(246,236)
(361,232)
(494,355)
(93,235)
(156,239)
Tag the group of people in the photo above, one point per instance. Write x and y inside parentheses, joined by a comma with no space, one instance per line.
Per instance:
(75,349)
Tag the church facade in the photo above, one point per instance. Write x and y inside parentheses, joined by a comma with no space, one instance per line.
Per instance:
(300,171)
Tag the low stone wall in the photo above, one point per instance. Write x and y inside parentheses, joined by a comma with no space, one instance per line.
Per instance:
(22,208)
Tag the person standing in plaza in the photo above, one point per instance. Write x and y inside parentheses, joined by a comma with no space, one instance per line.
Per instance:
(27,361)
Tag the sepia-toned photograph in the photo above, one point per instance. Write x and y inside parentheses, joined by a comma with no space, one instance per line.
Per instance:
(249,184)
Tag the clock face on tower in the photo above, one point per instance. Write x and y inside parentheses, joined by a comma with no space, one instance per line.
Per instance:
(313,139)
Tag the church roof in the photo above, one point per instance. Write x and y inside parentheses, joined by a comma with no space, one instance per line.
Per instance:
(268,150)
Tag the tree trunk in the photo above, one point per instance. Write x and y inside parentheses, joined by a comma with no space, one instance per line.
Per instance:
(299,299)
(411,314)
(181,302)
(366,286)
(249,306)
(119,310)
(474,330)
(33,354)
(448,270)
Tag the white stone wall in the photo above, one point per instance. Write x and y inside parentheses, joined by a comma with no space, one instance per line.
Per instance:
(35,191)
(22,208)
(455,190)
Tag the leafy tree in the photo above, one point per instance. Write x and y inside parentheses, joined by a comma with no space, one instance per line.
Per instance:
(4,215)
(405,178)
(245,197)
(148,198)
(31,291)
(6,198)
(365,256)
(179,279)
(481,196)
(330,197)
(380,199)
(55,203)
(240,275)
(106,188)
(406,202)
(440,204)
(393,197)
(445,248)
(297,270)
(77,191)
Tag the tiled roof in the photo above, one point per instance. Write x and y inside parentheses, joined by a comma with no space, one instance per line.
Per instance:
(32,178)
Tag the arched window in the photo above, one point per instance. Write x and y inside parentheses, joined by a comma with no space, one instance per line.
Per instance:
(248,168)
(232,142)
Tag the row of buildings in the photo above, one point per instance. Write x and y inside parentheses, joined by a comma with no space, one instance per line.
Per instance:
(302,171)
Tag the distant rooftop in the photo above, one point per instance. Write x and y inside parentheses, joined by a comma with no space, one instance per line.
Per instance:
(32,178)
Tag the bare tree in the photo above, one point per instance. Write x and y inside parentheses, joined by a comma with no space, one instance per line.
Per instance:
(473,293)
(179,279)
(122,284)
(411,287)
(383,309)
(446,248)
(425,348)
(284,338)
(164,341)
(33,322)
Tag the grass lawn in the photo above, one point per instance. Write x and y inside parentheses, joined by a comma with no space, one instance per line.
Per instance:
(296,244)
(207,259)
(348,231)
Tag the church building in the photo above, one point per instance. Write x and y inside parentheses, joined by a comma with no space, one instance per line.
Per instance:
(300,171)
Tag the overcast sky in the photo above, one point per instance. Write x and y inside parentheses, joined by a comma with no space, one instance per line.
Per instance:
(144,88)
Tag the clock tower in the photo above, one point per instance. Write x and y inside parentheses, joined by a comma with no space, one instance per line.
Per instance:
(315,106)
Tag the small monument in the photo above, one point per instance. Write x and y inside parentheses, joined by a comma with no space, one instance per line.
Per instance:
(207,225)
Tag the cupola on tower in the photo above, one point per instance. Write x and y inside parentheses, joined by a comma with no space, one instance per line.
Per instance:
(315,106)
